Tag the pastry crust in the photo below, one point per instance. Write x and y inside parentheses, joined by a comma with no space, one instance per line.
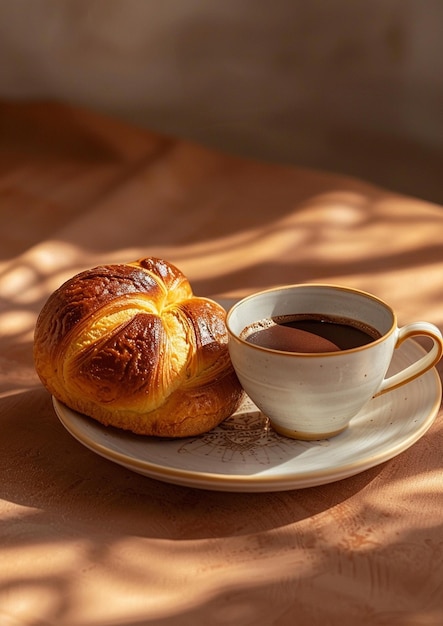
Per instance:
(132,347)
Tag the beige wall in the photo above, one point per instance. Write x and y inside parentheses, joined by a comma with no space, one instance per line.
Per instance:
(348,85)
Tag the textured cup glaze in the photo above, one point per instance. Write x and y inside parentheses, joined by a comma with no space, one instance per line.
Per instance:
(315,395)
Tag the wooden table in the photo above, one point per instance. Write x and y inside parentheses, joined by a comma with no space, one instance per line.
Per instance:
(86,542)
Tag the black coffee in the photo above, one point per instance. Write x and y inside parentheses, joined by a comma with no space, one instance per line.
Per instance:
(310,333)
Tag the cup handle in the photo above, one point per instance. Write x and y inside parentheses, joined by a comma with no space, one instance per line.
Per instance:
(424,363)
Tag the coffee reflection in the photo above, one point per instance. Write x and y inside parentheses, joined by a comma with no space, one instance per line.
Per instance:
(309,333)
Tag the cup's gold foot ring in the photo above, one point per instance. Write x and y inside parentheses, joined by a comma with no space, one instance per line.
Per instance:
(304,436)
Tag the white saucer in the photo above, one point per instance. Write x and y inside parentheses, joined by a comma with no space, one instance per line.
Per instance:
(244,454)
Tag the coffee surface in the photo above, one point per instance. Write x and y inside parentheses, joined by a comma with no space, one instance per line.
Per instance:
(309,333)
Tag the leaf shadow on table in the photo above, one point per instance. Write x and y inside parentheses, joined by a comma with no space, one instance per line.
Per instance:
(336,236)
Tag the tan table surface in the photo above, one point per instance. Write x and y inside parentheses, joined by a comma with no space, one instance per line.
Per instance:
(85,542)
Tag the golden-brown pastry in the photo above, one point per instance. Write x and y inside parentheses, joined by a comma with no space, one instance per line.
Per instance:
(131,346)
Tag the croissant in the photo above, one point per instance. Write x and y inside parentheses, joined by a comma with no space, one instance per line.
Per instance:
(130,346)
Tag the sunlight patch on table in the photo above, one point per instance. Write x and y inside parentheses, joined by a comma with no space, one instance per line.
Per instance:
(15,322)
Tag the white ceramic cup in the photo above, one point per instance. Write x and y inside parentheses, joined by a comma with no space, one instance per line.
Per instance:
(315,395)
